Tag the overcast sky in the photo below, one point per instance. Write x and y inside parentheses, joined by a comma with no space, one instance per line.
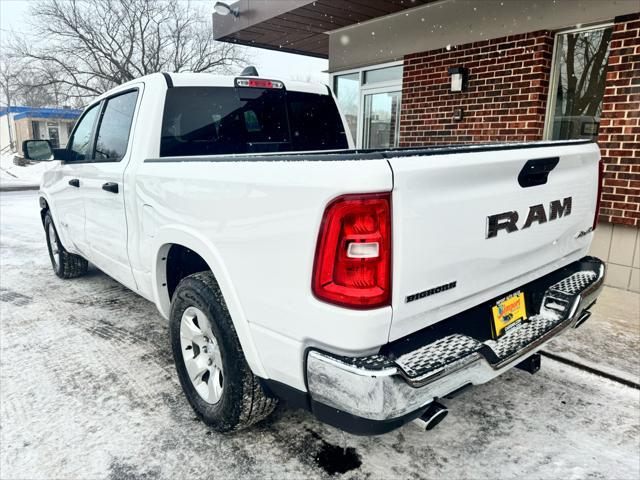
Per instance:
(268,62)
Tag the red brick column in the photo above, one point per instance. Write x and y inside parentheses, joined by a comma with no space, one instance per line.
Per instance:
(505,100)
(619,135)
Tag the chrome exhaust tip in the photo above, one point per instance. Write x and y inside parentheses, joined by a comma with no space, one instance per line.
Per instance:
(432,416)
(584,316)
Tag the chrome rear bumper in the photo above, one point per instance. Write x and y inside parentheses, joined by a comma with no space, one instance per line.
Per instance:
(380,388)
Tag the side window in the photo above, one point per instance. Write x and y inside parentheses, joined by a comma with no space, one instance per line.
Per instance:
(80,144)
(115,124)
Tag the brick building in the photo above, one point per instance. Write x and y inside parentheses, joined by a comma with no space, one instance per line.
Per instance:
(545,70)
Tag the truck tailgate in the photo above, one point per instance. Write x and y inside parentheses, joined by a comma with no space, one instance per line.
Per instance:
(457,242)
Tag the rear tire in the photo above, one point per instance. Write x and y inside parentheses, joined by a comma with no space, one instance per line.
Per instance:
(65,264)
(210,362)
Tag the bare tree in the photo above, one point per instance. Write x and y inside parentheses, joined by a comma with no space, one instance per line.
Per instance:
(31,94)
(8,87)
(9,73)
(88,47)
(585,57)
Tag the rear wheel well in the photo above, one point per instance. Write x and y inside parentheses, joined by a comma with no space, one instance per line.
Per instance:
(182,262)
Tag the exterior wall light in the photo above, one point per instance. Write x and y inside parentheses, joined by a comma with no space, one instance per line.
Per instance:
(222,8)
(459,78)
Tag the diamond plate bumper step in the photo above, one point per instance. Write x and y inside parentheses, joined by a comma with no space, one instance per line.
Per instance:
(561,307)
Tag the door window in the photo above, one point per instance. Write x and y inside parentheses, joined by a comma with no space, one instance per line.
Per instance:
(115,124)
(80,144)
(580,73)
(381,120)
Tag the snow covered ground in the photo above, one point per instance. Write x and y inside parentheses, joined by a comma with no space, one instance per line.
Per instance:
(16,176)
(88,390)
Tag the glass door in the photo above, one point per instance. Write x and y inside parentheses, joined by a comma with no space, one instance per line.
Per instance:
(381,119)
(54,134)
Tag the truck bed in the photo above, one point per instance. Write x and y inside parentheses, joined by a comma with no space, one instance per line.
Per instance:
(260,215)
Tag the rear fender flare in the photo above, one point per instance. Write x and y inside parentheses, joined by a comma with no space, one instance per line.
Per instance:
(193,240)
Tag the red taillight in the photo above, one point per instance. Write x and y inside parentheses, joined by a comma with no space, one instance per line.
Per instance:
(600,175)
(353,257)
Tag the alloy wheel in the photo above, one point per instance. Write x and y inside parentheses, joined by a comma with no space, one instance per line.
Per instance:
(54,246)
(201,355)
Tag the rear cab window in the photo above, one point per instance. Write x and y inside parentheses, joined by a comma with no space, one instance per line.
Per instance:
(240,120)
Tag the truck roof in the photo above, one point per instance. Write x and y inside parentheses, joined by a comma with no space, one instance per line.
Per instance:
(189,79)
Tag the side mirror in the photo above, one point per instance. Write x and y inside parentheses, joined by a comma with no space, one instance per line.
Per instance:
(37,150)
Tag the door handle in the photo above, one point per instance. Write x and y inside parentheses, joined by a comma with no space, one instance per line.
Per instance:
(74,182)
(110,187)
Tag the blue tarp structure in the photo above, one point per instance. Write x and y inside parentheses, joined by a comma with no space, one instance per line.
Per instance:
(33,112)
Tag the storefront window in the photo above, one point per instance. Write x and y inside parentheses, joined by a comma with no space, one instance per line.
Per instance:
(370,100)
(579,73)
(388,74)
(347,90)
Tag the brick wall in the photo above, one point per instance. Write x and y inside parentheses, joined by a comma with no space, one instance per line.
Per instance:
(619,135)
(505,100)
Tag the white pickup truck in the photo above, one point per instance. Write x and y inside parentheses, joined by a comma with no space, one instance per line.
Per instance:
(363,286)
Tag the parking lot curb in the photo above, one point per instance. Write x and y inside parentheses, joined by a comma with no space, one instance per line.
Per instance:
(595,371)
(19,188)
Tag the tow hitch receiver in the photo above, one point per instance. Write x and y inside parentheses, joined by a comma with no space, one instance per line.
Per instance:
(531,364)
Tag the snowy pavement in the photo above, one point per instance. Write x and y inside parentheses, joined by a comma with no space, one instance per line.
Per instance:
(88,390)
(15,176)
